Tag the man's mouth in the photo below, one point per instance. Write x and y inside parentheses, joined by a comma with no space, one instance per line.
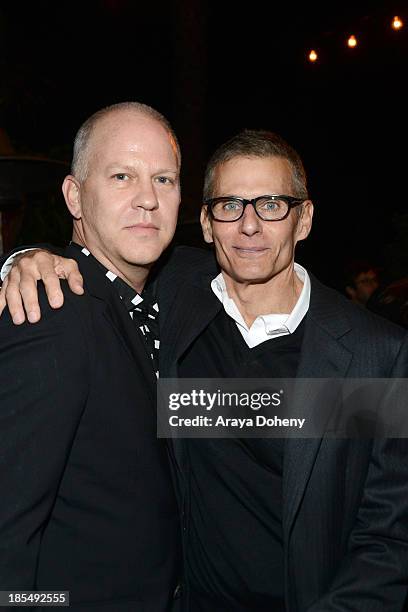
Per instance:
(249,250)
(142,227)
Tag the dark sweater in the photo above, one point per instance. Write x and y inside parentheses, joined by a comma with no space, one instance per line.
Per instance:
(234,551)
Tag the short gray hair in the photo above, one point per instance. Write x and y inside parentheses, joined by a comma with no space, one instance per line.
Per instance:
(79,166)
(256,143)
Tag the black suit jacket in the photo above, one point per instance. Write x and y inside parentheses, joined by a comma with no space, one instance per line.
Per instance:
(345,501)
(87,503)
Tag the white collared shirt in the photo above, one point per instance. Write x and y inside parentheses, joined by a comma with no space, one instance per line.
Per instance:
(266,326)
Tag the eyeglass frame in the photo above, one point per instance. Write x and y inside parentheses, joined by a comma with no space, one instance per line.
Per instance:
(291,202)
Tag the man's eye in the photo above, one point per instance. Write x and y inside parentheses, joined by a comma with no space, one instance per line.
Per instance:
(121,177)
(231,206)
(271,205)
(165,180)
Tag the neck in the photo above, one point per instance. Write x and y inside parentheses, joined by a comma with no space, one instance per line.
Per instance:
(278,295)
(133,275)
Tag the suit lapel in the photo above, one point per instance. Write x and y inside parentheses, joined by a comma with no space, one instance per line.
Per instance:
(116,315)
(190,308)
(322,356)
(193,307)
(184,312)
(119,318)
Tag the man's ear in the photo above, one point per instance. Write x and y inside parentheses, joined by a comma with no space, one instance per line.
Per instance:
(206,224)
(72,194)
(304,224)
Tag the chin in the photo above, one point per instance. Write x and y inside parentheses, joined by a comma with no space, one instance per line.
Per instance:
(247,276)
(253,279)
(251,272)
(143,256)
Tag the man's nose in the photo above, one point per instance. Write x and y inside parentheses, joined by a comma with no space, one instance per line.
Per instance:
(145,197)
(250,223)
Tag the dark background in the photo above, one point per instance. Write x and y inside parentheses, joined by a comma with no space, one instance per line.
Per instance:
(215,67)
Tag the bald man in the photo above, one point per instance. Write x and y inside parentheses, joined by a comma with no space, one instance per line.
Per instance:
(87,498)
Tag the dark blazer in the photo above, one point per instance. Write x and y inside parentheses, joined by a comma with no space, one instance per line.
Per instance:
(345,501)
(87,503)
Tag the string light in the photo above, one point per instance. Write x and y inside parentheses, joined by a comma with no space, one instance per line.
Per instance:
(397,23)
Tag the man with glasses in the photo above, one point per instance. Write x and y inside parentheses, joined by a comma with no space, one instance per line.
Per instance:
(316,525)
(298,524)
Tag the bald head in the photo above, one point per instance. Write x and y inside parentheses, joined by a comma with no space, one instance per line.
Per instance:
(124,192)
(89,130)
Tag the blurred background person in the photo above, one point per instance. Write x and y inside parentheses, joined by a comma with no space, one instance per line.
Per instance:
(361,281)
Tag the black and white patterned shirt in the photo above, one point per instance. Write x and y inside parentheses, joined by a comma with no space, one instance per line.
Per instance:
(143,309)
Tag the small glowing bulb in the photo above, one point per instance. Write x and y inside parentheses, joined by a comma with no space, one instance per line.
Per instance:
(352,41)
(397,23)
(313,56)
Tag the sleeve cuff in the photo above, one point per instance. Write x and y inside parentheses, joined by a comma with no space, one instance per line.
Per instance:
(8,264)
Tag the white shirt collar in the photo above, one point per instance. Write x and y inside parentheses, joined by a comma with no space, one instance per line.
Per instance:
(266,326)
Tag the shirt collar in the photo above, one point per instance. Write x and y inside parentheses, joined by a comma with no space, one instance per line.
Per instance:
(272,324)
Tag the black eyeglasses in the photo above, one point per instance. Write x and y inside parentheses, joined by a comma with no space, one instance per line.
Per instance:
(267,207)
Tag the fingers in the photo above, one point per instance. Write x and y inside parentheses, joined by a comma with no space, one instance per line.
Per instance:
(13,297)
(52,287)
(49,268)
(34,266)
(20,290)
(68,269)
